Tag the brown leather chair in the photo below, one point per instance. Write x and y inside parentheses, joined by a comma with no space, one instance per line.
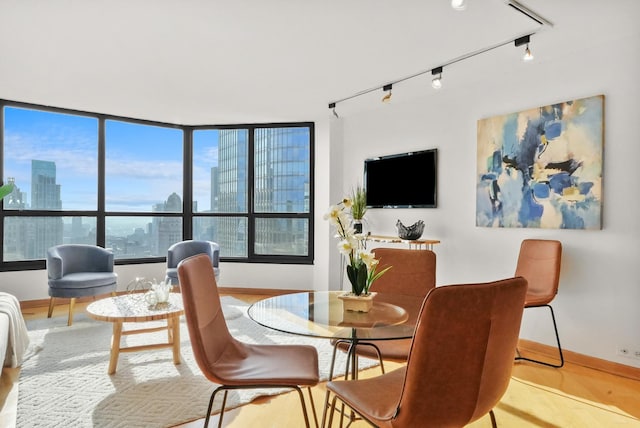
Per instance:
(229,362)
(539,263)
(459,364)
(413,272)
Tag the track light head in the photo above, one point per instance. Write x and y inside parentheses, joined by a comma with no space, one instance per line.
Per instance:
(524,40)
(332,106)
(459,4)
(387,97)
(436,83)
(528,56)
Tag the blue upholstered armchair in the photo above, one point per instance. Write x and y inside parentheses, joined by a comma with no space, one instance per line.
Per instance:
(184,249)
(78,270)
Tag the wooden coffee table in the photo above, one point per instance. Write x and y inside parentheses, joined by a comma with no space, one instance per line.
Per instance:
(134,308)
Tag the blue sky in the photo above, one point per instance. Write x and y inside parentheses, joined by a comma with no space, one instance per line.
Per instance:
(144,163)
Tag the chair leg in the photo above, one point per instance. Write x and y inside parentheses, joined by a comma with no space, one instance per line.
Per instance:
(224,404)
(226,389)
(72,303)
(555,329)
(50,307)
(493,419)
(331,411)
(313,407)
(304,408)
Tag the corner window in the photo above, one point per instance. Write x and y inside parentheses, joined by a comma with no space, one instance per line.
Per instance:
(137,187)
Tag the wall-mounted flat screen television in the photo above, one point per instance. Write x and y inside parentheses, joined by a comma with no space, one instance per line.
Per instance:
(405,180)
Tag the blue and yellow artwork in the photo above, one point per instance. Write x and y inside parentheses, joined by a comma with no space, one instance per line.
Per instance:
(542,168)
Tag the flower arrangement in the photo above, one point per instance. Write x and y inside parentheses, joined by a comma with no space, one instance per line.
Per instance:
(361,264)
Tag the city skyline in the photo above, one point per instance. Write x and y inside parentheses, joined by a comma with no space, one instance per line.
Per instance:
(144,174)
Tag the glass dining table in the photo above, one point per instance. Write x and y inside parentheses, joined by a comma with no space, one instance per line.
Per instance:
(320,314)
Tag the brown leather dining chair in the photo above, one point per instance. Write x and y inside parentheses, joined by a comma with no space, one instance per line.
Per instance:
(229,362)
(539,263)
(459,364)
(413,273)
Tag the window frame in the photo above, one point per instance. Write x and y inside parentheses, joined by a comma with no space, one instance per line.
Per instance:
(187,214)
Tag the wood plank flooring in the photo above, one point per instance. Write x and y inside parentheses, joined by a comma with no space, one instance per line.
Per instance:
(538,396)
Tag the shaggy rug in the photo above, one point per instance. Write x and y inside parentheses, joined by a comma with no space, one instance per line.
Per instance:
(64,380)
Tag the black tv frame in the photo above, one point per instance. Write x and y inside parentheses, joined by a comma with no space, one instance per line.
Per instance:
(403,174)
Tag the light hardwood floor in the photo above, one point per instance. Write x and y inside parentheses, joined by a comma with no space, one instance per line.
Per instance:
(538,396)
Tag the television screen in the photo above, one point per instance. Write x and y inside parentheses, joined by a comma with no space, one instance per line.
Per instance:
(406,180)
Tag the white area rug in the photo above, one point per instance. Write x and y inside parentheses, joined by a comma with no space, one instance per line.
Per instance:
(64,380)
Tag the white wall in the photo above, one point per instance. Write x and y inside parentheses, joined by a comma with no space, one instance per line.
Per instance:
(597,305)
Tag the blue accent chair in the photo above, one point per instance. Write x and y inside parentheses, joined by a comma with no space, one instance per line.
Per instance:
(185,249)
(79,270)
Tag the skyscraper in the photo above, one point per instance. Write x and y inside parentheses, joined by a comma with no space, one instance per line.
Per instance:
(45,193)
(43,232)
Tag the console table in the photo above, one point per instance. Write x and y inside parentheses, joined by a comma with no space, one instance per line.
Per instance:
(415,243)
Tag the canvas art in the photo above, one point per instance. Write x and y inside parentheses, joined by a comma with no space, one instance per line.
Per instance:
(542,168)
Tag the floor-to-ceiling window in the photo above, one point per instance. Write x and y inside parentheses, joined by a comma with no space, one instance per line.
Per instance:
(251,188)
(137,186)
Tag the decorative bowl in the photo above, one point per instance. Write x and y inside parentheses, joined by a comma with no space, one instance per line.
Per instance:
(412,232)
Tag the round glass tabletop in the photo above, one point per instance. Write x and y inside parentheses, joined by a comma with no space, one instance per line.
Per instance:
(320,314)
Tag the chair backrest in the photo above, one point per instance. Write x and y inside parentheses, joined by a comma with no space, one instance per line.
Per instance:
(184,249)
(72,258)
(208,331)
(462,353)
(413,272)
(539,263)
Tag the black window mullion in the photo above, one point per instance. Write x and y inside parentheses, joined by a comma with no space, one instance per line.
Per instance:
(251,214)
(101,219)
(187,181)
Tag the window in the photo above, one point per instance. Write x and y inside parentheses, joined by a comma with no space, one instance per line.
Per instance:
(52,160)
(139,186)
(277,224)
(143,174)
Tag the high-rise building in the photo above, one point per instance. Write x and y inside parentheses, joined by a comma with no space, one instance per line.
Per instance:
(45,193)
(281,185)
(166,230)
(41,233)
(231,191)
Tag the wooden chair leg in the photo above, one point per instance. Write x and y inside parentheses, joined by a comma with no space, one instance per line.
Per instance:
(50,307)
(72,303)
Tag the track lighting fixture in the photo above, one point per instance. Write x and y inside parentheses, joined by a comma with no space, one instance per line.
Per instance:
(436,73)
(528,56)
(332,106)
(459,4)
(387,97)
(436,83)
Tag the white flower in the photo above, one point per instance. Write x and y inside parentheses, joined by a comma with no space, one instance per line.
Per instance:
(366,257)
(345,247)
(347,202)
(332,215)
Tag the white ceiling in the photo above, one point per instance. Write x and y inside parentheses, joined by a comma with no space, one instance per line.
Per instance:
(243,61)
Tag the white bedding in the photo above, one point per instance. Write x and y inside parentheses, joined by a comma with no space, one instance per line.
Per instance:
(18,336)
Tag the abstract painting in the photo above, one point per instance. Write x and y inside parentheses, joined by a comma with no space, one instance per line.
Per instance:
(542,168)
